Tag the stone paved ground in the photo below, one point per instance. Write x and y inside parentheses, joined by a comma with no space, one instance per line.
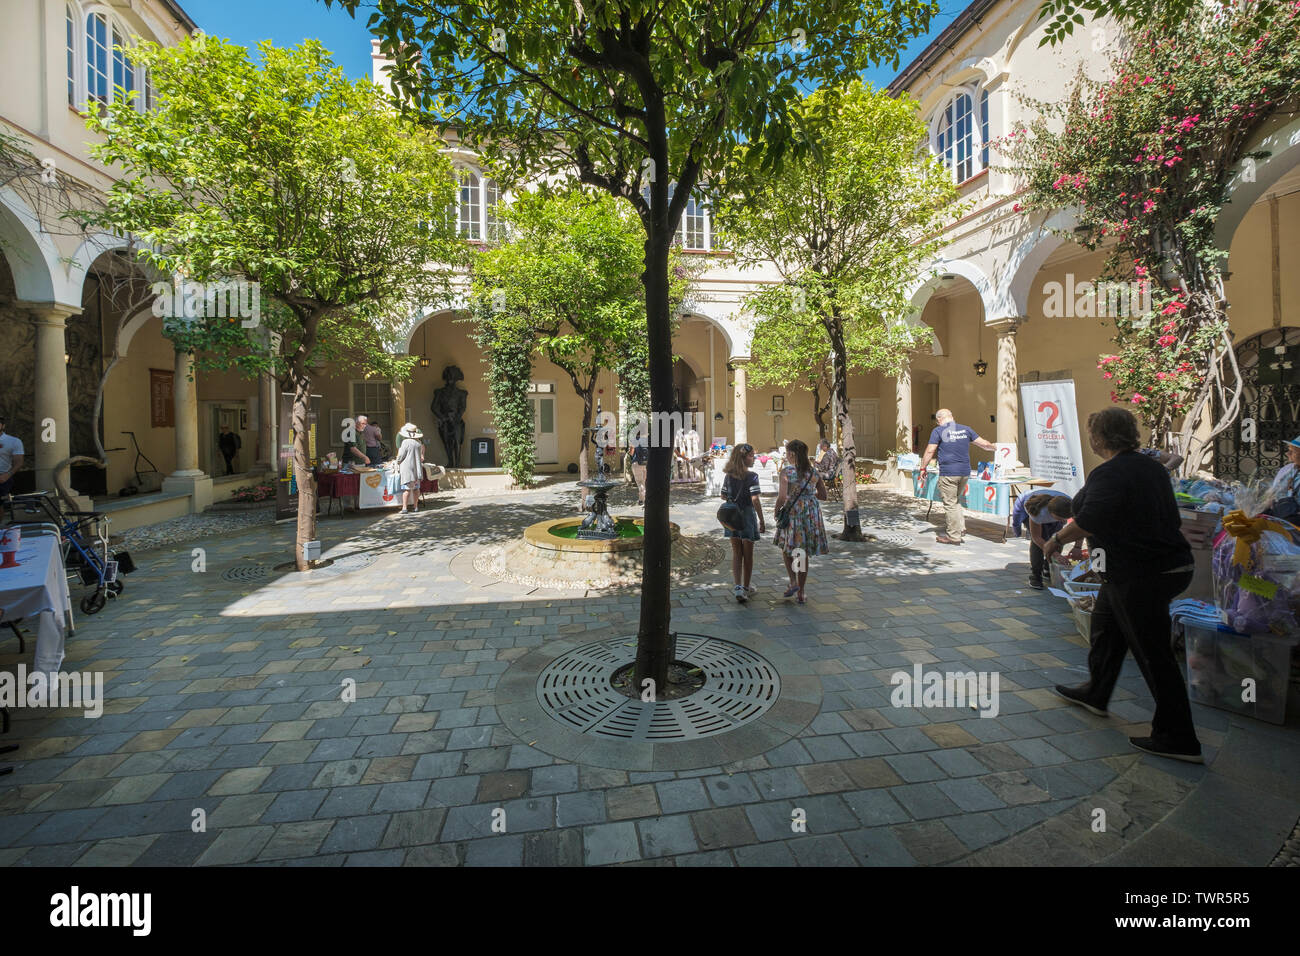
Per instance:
(224,696)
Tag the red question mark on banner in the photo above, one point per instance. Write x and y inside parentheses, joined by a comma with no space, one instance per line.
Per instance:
(990,493)
(1056,412)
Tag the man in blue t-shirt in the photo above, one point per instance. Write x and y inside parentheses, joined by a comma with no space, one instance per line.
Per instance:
(950,445)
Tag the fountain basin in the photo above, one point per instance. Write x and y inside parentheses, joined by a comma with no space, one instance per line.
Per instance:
(560,535)
(546,557)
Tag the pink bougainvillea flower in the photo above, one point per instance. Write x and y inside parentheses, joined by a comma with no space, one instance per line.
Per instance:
(1167,340)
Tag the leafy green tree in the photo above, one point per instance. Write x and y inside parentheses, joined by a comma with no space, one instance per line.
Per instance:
(1067,14)
(789,350)
(1145,159)
(845,225)
(627,95)
(570,269)
(288,177)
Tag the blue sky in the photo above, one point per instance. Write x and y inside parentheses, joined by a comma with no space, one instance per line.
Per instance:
(289,22)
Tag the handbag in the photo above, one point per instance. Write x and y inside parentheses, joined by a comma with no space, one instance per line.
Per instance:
(783,516)
(731,515)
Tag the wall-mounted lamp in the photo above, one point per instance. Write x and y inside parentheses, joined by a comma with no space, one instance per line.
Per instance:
(717,416)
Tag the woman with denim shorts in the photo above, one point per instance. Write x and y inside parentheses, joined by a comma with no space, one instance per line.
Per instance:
(741,487)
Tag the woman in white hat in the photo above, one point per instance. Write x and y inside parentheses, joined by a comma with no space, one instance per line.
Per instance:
(410,466)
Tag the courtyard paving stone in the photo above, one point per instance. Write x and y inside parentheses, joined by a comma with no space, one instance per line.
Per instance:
(225,697)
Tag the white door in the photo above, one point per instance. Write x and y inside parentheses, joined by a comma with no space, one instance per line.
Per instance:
(865,413)
(544,428)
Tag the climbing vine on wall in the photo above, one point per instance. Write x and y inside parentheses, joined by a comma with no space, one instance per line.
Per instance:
(508,345)
(1147,159)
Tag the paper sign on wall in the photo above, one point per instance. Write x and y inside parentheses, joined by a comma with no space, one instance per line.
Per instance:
(1004,458)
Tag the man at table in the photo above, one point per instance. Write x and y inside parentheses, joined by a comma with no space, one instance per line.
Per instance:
(352,453)
(11,460)
(950,446)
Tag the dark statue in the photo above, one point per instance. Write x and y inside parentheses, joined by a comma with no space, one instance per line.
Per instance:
(448,409)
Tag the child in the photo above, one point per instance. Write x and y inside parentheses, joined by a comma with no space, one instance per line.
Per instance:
(740,486)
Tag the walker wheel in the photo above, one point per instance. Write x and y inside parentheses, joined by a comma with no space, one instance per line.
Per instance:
(93,603)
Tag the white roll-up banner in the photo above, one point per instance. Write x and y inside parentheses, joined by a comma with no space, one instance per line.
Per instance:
(1052,431)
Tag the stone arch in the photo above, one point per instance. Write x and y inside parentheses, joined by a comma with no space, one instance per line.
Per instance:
(407,338)
(130,327)
(925,284)
(1026,259)
(1253,181)
(31,254)
(732,337)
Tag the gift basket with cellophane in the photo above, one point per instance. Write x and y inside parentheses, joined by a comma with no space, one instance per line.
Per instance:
(1257,566)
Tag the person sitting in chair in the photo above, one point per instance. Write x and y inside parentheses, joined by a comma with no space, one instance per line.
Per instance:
(826,462)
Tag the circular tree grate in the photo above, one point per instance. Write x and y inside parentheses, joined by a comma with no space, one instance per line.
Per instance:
(739,687)
(247,572)
(890,539)
(344,565)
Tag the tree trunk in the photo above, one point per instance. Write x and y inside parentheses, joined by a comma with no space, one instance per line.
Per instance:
(301,380)
(656,584)
(584,470)
(819,413)
(302,466)
(848,460)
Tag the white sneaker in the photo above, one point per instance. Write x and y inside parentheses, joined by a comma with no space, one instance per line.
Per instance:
(739,591)
(751,590)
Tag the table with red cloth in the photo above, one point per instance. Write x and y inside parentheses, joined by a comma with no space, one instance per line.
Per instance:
(338,485)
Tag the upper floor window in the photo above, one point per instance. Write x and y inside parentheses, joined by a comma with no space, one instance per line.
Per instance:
(960,134)
(476,209)
(695,231)
(98,67)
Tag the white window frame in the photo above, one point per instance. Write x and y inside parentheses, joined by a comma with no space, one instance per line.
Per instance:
(977,134)
(117,34)
(695,207)
(485,197)
(388,429)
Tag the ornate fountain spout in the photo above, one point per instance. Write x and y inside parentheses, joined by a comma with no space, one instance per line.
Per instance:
(597,525)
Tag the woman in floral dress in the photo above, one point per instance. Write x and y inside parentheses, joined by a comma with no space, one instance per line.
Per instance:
(802,487)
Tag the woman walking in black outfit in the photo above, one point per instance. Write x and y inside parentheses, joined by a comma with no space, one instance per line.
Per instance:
(1128,513)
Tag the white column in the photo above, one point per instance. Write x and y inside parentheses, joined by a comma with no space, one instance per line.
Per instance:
(1008,383)
(742,408)
(903,416)
(188,476)
(48,445)
(265,433)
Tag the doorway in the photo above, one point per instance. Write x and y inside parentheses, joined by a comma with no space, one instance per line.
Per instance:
(865,414)
(541,399)
(229,416)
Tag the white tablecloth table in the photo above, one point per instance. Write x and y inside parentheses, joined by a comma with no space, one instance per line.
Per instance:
(38,588)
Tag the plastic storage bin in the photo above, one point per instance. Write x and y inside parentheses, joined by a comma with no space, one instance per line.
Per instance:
(1219,661)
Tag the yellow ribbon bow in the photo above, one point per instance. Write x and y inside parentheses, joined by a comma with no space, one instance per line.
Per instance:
(1247,531)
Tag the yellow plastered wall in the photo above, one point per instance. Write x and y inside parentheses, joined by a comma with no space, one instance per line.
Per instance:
(126,406)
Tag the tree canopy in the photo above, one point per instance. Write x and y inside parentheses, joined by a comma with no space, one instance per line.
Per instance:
(297,184)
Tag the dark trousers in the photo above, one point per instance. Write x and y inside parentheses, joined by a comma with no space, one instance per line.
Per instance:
(1132,614)
(1035,561)
(230,458)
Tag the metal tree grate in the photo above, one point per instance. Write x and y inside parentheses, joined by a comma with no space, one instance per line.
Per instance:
(890,539)
(247,572)
(739,686)
(344,565)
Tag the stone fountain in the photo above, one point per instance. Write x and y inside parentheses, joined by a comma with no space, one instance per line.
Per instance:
(598,525)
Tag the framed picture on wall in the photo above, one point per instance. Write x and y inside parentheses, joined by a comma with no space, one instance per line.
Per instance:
(243,419)
(778,403)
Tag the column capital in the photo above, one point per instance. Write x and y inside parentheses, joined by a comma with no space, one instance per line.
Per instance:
(48,313)
(1007,324)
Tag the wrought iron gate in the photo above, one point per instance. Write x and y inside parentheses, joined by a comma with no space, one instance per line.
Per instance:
(1270,370)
